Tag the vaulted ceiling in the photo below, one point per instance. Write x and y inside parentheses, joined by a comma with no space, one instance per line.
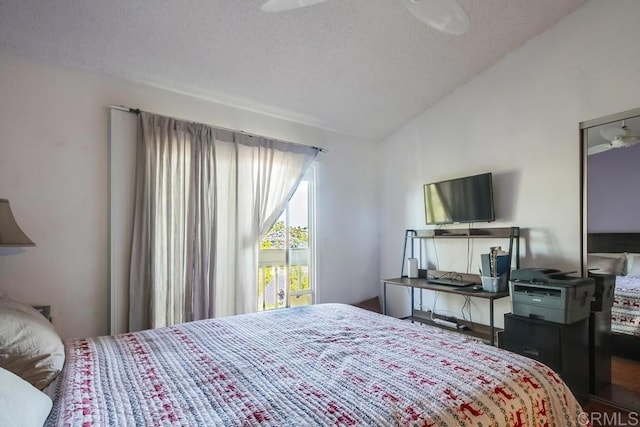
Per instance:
(359,67)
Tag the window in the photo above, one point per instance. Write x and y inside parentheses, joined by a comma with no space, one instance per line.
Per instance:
(285,270)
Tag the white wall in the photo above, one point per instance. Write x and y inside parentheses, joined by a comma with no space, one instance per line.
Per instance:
(519,120)
(53,169)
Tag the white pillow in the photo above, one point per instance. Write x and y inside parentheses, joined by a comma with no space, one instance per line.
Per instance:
(30,347)
(21,404)
(605,263)
(7,302)
(633,265)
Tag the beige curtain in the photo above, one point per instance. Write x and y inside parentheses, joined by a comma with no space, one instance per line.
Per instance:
(204,197)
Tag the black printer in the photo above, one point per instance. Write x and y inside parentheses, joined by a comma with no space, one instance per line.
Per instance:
(550,295)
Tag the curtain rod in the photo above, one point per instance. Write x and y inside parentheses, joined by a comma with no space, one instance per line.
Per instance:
(137,111)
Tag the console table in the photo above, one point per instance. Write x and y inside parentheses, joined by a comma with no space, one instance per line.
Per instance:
(421,283)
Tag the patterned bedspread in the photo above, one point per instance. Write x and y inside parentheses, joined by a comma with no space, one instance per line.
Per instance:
(625,313)
(328,364)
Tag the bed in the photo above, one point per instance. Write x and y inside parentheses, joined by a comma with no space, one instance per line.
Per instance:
(617,253)
(327,364)
(625,313)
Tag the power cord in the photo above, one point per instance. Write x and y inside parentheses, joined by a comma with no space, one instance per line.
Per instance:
(469,250)
(448,315)
(435,252)
(467,304)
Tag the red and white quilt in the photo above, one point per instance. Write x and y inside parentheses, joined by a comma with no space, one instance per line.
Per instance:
(328,364)
(625,313)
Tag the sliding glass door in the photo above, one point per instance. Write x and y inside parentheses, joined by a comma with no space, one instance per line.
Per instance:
(285,275)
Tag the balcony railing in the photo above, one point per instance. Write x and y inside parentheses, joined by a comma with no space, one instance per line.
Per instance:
(273,276)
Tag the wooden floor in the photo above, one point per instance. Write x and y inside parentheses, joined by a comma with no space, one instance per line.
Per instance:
(625,383)
(625,390)
(626,373)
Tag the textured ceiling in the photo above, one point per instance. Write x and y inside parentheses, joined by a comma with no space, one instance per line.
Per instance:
(359,67)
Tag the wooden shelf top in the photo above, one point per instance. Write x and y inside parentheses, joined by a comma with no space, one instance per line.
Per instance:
(498,232)
(422,283)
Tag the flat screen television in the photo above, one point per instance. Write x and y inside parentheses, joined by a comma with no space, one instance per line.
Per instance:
(467,199)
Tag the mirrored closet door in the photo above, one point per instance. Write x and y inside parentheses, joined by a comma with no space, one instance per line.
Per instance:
(610,151)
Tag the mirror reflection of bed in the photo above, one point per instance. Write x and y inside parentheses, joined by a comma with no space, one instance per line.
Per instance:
(611,224)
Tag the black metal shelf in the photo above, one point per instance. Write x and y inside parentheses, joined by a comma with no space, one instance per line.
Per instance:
(421,282)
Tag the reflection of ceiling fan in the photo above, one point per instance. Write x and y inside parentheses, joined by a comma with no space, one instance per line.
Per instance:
(443,15)
(618,137)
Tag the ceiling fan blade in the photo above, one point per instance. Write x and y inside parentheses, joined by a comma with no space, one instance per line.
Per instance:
(612,132)
(443,15)
(625,140)
(599,148)
(282,5)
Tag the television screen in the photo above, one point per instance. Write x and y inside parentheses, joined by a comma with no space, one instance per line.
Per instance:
(467,199)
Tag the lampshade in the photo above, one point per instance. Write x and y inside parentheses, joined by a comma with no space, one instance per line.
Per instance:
(10,232)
